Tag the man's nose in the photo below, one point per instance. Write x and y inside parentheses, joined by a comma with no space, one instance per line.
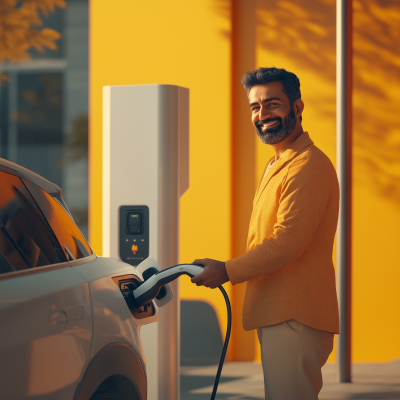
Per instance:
(264,113)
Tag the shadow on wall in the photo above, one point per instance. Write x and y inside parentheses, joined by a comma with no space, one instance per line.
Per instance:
(224,8)
(304,32)
(376,98)
(201,339)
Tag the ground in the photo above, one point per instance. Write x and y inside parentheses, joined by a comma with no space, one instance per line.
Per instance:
(244,381)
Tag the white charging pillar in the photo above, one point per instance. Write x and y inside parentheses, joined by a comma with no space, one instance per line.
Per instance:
(146,163)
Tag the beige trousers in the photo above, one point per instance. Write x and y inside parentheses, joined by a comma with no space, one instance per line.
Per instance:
(292,355)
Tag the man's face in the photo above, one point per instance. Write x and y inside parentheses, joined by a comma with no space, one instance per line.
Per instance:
(271,114)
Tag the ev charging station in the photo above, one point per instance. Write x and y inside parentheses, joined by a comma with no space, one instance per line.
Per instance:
(145,172)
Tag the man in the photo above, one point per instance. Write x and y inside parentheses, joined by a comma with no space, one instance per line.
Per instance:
(291,294)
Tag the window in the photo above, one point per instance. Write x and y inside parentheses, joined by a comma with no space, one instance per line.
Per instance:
(71,239)
(44,109)
(26,241)
(31,122)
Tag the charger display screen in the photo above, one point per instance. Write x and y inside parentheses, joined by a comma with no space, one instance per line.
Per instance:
(133,234)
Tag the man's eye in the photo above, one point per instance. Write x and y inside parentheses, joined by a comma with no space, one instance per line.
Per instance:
(273,104)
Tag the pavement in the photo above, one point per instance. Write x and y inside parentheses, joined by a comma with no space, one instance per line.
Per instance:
(244,381)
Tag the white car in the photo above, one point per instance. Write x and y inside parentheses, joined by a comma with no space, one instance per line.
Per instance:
(66,329)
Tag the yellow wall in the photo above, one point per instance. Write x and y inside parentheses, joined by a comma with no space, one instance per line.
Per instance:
(376,196)
(207,45)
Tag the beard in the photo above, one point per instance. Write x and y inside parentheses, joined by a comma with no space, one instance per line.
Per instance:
(279,132)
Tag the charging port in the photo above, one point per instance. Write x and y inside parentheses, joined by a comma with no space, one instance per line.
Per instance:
(126,284)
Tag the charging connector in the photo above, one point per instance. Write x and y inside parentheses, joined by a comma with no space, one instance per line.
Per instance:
(151,287)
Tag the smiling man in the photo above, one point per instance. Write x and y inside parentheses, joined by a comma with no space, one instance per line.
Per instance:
(291,293)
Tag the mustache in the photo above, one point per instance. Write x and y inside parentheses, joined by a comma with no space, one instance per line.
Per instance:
(265,121)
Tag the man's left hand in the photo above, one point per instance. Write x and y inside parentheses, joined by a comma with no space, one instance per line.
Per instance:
(214,273)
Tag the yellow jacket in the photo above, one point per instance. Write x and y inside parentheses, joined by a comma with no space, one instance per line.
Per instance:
(288,265)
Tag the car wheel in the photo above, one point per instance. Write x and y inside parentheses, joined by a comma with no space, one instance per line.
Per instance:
(105,395)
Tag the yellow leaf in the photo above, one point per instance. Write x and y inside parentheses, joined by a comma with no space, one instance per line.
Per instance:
(19,28)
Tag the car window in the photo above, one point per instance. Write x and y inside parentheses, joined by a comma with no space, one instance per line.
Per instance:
(68,234)
(26,241)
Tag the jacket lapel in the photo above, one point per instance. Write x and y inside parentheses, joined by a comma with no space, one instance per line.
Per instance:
(299,144)
(263,175)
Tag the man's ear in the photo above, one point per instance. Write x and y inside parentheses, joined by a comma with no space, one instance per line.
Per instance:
(298,107)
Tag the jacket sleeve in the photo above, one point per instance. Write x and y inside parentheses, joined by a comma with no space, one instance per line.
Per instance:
(304,197)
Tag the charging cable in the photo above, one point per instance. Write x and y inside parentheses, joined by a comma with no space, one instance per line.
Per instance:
(226,342)
(152,286)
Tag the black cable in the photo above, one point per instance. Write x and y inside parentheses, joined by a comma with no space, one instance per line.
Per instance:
(227,336)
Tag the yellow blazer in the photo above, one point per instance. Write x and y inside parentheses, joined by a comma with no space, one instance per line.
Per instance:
(288,265)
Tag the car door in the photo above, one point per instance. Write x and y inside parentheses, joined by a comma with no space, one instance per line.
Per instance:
(45,307)
(116,344)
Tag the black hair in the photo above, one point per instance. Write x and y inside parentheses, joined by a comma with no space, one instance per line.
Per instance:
(290,82)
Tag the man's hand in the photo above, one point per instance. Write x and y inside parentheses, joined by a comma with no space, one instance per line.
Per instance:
(214,273)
